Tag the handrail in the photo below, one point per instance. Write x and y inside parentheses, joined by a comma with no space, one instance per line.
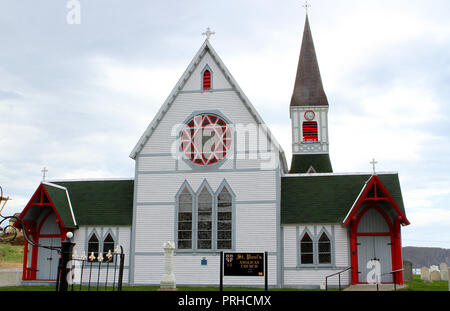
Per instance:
(337,273)
(394,273)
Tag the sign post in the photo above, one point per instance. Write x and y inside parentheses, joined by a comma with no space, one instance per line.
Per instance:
(244,264)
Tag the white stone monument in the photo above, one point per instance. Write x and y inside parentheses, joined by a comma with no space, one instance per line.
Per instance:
(168,281)
(435,275)
(444,271)
(425,274)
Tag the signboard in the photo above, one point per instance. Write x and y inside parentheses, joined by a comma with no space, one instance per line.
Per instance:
(243,264)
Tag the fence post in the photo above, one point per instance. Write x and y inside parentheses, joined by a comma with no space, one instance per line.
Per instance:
(66,256)
(122,259)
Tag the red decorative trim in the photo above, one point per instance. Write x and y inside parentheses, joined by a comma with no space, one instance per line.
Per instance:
(310,119)
(34,229)
(394,234)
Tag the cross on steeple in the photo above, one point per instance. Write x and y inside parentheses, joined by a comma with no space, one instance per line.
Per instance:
(306,6)
(208,33)
(373,165)
(44,170)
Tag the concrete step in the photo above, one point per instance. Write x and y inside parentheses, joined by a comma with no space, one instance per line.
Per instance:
(373,288)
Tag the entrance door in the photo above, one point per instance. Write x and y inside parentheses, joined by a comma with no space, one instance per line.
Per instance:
(374,248)
(48,259)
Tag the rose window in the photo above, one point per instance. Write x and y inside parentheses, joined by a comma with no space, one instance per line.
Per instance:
(206,139)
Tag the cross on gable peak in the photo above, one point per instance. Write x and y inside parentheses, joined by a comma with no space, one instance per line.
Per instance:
(44,171)
(373,165)
(208,33)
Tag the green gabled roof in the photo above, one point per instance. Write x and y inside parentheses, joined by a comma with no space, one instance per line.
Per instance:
(59,198)
(302,162)
(99,203)
(307,199)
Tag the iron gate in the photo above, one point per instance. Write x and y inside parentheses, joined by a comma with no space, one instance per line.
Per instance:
(94,272)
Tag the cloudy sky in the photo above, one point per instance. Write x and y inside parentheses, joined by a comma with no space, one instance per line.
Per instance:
(77,97)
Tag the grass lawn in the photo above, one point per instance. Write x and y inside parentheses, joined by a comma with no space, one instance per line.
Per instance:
(418,285)
(10,254)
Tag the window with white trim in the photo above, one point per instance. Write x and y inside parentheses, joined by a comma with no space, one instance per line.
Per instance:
(185,220)
(324,249)
(204,220)
(306,250)
(224,219)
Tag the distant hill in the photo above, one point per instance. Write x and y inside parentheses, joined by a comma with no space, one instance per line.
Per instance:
(426,256)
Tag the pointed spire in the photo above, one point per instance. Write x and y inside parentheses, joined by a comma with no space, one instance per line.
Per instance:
(308,88)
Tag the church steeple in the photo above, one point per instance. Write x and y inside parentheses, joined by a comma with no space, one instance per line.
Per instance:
(308,88)
(309,113)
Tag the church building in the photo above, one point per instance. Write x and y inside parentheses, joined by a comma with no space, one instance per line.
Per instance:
(211,177)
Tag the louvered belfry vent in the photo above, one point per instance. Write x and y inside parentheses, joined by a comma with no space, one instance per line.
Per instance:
(310,134)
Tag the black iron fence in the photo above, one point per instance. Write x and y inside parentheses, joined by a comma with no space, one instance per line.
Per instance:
(95,272)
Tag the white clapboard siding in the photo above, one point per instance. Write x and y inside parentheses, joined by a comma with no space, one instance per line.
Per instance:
(342,246)
(312,277)
(189,271)
(290,246)
(227,102)
(218,79)
(156,163)
(247,185)
(256,228)
(154,227)
(125,242)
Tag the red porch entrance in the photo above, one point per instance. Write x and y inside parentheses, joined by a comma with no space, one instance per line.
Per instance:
(375,234)
(44,226)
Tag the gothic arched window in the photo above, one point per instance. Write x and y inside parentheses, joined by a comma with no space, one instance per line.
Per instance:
(185,220)
(108,245)
(93,246)
(324,249)
(204,220)
(306,250)
(224,220)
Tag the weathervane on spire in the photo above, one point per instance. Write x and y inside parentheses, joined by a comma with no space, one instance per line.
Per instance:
(306,6)
(208,33)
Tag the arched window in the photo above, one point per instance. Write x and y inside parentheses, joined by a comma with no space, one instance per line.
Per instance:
(310,132)
(185,220)
(108,245)
(204,218)
(224,220)
(324,249)
(93,246)
(206,80)
(306,250)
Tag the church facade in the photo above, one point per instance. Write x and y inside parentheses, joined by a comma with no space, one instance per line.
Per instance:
(211,177)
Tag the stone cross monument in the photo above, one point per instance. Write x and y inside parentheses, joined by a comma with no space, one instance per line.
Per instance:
(168,281)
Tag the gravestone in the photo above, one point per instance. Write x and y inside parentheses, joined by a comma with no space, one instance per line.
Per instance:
(407,271)
(425,274)
(435,276)
(444,271)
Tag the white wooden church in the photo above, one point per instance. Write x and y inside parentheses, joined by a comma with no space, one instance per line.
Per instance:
(211,177)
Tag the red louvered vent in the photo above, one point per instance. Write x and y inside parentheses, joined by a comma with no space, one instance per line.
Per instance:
(310,134)
(207,80)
